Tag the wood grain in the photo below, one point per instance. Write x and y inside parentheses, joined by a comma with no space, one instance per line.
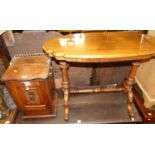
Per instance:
(35,94)
(101,47)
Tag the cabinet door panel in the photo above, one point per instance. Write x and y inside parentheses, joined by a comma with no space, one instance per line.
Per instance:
(30,95)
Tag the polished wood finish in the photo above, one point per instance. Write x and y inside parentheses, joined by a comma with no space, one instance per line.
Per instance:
(96,90)
(128,84)
(28,68)
(65,86)
(101,47)
(32,88)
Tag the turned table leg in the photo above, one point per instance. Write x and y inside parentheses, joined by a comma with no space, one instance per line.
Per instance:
(65,86)
(129,85)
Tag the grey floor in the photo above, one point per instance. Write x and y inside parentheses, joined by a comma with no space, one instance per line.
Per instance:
(30,41)
(90,108)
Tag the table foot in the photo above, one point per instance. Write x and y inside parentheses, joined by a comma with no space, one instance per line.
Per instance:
(132,119)
(130,111)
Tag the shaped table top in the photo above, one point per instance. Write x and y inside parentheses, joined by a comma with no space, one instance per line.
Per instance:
(101,47)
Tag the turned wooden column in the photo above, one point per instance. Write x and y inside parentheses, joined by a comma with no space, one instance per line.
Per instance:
(129,85)
(103,48)
(65,87)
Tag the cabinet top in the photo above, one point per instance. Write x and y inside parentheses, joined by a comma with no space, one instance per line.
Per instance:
(27,68)
(101,47)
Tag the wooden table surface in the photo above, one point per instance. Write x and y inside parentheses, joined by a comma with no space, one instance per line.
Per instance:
(101,47)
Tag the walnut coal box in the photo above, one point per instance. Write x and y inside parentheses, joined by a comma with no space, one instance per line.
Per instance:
(30,81)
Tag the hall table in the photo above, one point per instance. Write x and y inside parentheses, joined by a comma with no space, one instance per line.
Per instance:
(101,47)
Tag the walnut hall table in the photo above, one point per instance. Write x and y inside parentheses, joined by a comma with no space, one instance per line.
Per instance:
(101,47)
